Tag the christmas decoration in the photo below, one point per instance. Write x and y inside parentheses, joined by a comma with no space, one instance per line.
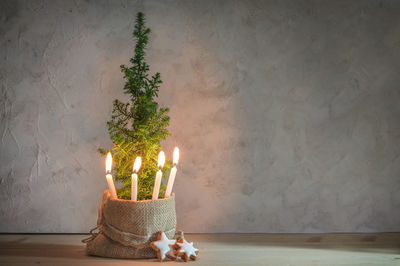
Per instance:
(186,251)
(109,177)
(136,167)
(128,221)
(157,182)
(137,127)
(173,249)
(164,247)
(172,174)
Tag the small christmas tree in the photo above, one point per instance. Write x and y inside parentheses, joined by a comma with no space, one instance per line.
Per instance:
(137,127)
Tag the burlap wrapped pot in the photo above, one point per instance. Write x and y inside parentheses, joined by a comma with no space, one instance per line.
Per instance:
(126,227)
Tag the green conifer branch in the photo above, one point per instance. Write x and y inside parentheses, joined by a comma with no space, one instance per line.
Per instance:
(137,127)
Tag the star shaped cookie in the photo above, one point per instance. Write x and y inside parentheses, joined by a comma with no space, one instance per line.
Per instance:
(186,250)
(163,246)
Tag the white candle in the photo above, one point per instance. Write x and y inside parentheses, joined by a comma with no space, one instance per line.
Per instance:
(109,177)
(134,186)
(157,183)
(172,174)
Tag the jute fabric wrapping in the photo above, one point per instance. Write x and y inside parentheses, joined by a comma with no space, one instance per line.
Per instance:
(126,227)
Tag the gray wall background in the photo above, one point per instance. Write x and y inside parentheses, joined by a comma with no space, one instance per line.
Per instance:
(286,112)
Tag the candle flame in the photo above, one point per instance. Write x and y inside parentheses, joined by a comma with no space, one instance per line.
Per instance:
(161,159)
(176,156)
(108,162)
(136,165)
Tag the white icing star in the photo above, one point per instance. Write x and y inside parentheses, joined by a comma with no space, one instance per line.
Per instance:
(164,245)
(187,248)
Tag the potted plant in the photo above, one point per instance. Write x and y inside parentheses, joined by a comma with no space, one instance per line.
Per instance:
(136,128)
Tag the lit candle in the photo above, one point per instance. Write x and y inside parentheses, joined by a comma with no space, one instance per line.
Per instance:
(157,183)
(134,187)
(109,177)
(172,174)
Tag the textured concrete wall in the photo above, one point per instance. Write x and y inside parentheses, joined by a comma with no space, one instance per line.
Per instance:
(287,113)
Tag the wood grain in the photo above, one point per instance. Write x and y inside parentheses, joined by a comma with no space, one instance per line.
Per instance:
(219,249)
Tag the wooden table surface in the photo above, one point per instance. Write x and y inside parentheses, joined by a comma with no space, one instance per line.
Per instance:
(218,249)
